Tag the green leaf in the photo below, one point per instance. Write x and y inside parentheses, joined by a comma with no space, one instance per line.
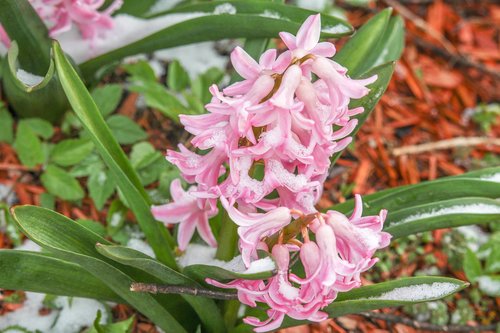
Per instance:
(44,273)
(201,272)
(125,130)
(24,25)
(204,307)
(136,8)
(394,293)
(72,242)
(93,226)
(101,186)
(115,219)
(124,326)
(472,265)
(377,89)
(148,162)
(28,146)
(71,151)
(107,98)
(123,173)
(61,184)
(258,19)
(493,261)
(40,127)
(358,48)
(177,78)
(442,214)
(474,184)
(47,200)
(6,126)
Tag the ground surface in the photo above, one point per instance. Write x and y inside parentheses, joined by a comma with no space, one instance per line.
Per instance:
(444,88)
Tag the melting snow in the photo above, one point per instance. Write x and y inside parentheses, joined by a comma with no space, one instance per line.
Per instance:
(225,8)
(141,246)
(335,29)
(28,79)
(459,209)
(488,285)
(420,292)
(127,29)
(74,314)
(200,254)
(492,178)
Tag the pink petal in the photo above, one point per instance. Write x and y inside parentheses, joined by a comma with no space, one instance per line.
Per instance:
(244,64)
(308,34)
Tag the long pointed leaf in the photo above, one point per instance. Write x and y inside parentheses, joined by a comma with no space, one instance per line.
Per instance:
(205,308)
(74,243)
(255,19)
(43,273)
(442,214)
(123,173)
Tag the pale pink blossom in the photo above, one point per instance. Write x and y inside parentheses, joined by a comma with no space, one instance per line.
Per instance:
(190,212)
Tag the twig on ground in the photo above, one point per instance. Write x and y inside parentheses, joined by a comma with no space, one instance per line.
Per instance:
(458,59)
(445,144)
(169,289)
(390,318)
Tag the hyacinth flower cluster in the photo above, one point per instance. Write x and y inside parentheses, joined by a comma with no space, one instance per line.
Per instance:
(263,151)
(61,15)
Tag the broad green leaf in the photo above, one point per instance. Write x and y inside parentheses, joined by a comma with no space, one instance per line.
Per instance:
(47,200)
(177,77)
(44,273)
(91,164)
(204,307)
(32,95)
(260,269)
(23,25)
(252,20)
(93,226)
(107,98)
(493,260)
(474,184)
(61,184)
(136,8)
(140,71)
(6,126)
(377,89)
(442,214)
(28,146)
(115,218)
(71,151)
(125,130)
(72,242)
(472,265)
(124,326)
(359,47)
(101,186)
(40,127)
(390,46)
(394,293)
(143,154)
(123,173)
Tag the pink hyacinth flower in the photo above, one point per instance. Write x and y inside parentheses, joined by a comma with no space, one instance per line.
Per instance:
(190,212)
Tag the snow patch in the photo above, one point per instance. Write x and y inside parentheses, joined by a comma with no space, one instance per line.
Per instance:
(474,236)
(161,6)
(28,79)
(489,285)
(141,246)
(420,292)
(197,254)
(492,178)
(127,29)
(29,245)
(335,29)
(274,15)
(225,8)
(75,314)
(458,209)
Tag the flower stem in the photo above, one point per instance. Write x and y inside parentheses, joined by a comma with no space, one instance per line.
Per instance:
(228,238)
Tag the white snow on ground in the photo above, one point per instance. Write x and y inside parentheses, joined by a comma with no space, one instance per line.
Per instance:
(75,314)
(7,195)
(317,5)
(420,292)
(200,254)
(29,245)
(492,178)
(127,29)
(195,58)
(141,246)
(488,285)
(474,236)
